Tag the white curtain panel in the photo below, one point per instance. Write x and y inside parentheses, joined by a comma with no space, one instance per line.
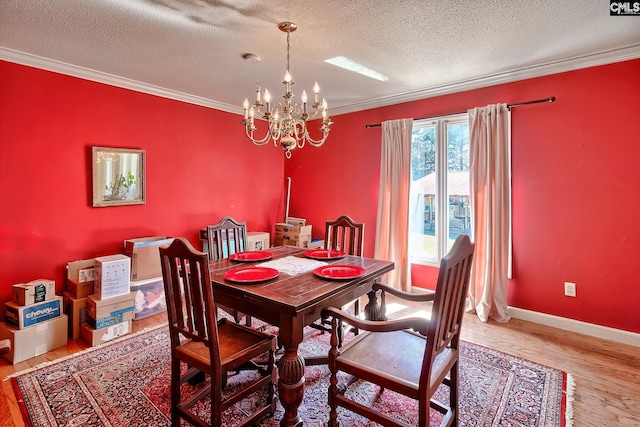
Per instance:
(490,197)
(392,227)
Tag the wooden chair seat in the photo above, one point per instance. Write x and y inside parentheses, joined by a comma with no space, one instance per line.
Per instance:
(238,345)
(411,356)
(400,369)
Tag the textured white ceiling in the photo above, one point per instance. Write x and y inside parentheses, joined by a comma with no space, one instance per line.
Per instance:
(192,49)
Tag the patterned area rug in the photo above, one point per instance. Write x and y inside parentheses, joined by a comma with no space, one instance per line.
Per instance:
(126,383)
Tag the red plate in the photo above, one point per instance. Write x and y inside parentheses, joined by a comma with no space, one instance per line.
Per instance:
(324,254)
(249,256)
(251,274)
(339,271)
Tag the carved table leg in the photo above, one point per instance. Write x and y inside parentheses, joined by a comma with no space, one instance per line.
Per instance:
(373,311)
(291,386)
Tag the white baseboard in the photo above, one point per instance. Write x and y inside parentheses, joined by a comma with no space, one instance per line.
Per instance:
(577,326)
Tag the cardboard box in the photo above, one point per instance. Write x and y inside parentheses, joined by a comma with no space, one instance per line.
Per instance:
(145,256)
(80,277)
(99,309)
(35,291)
(80,290)
(82,271)
(149,297)
(31,342)
(76,311)
(112,276)
(316,244)
(24,316)
(293,235)
(258,241)
(94,337)
(296,221)
(110,320)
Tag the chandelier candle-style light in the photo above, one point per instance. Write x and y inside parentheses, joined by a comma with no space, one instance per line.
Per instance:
(287,120)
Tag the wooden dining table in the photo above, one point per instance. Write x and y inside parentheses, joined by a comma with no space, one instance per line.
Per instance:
(292,302)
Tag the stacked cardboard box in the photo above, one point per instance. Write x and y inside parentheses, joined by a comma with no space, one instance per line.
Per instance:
(23,316)
(257,241)
(34,322)
(107,318)
(145,256)
(146,274)
(112,276)
(80,280)
(293,235)
(110,307)
(35,340)
(33,292)
(76,311)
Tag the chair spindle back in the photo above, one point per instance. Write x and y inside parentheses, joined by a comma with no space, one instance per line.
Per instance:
(344,234)
(189,294)
(449,299)
(226,238)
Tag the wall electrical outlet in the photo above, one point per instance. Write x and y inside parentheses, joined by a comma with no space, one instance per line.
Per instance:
(570,289)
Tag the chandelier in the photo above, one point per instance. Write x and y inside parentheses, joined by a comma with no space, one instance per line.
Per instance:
(287,121)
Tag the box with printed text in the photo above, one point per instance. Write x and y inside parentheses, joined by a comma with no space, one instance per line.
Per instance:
(80,277)
(293,235)
(24,316)
(34,291)
(99,309)
(258,241)
(81,271)
(112,276)
(111,320)
(94,337)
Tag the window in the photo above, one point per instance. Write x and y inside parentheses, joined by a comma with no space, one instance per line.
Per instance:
(439,184)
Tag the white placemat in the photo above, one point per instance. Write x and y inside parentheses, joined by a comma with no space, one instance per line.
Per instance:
(293,265)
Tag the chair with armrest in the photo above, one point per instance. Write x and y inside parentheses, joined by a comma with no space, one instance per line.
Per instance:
(206,345)
(346,235)
(410,356)
(223,240)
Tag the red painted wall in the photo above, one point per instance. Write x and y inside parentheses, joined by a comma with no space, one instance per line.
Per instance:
(200,167)
(575,187)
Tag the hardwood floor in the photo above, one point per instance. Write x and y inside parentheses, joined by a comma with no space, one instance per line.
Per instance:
(606,373)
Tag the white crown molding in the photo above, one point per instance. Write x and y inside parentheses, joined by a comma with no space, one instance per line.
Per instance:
(110,79)
(603,58)
(590,329)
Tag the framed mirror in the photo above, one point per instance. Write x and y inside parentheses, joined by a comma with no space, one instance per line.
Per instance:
(118,176)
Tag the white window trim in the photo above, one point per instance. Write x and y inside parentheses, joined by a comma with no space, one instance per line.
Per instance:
(442,221)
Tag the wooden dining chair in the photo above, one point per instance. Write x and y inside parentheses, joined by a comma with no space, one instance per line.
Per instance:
(410,356)
(346,235)
(206,344)
(224,239)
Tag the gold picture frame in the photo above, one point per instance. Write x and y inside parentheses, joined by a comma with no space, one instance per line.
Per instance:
(118,176)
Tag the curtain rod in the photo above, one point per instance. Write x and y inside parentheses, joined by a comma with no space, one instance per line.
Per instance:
(509,106)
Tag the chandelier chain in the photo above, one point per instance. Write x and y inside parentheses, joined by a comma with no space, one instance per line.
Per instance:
(288,48)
